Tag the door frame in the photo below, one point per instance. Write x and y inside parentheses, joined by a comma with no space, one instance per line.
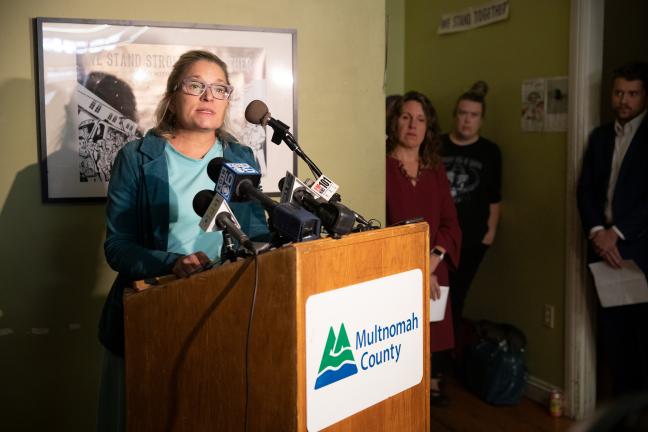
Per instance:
(585,72)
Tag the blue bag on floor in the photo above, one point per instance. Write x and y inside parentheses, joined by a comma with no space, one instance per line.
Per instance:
(495,367)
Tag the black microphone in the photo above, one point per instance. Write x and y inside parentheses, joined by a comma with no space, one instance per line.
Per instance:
(289,184)
(217,216)
(257,113)
(336,218)
(238,182)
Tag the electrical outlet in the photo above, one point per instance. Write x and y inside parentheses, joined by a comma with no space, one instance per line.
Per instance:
(548,319)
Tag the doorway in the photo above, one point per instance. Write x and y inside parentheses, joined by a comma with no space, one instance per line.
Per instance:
(603,35)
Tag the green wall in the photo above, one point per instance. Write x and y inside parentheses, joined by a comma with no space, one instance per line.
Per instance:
(395,71)
(53,271)
(525,267)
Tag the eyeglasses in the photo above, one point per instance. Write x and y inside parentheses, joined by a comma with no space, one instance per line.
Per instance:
(198,88)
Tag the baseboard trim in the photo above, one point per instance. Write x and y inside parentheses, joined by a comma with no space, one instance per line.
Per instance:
(539,391)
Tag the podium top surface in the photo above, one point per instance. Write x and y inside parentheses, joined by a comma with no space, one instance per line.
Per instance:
(304,247)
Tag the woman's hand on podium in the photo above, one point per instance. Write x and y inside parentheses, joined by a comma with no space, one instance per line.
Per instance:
(187,265)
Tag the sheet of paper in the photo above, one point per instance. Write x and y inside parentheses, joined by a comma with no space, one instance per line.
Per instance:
(618,287)
(437,307)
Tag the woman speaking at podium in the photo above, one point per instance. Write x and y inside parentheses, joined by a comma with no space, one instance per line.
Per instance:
(417,186)
(152,228)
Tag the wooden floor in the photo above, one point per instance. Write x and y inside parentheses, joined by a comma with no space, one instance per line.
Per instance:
(466,412)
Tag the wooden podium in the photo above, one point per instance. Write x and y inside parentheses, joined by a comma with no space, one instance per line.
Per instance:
(186,339)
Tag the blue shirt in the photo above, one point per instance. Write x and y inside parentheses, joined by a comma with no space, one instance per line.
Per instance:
(187,177)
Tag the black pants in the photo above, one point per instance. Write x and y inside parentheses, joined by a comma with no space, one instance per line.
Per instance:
(624,331)
(460,280)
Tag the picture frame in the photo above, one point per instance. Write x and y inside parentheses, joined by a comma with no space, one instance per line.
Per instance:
(99,83)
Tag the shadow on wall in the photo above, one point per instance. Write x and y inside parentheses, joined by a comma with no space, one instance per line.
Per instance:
(50,356)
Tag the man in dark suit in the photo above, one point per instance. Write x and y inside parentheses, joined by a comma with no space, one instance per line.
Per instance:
(613,205)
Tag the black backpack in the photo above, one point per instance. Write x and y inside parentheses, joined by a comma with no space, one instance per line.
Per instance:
(495,368)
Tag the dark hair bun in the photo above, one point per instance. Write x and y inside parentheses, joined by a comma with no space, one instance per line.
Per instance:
(479,88)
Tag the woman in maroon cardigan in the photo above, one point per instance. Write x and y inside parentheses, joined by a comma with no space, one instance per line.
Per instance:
(417,186)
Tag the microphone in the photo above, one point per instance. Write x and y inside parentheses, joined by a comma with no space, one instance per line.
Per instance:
(216,215)
(326,188)
(323,190)
(336,218)
(289,184)
(257,113)
(238,182)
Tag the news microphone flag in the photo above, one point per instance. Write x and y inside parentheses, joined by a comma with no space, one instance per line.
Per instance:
(230,173)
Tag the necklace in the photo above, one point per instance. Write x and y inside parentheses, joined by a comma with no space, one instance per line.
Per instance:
(413,179)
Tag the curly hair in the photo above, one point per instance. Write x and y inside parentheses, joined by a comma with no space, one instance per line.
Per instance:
(429,151)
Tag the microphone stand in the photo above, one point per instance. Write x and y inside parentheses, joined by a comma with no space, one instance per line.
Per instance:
(291,142)
(281,133)
(229,253)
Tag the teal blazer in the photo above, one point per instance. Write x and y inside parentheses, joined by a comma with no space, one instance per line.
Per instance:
(137,223)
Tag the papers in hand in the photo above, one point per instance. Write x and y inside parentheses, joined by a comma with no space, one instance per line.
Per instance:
(618,287)
(437,307)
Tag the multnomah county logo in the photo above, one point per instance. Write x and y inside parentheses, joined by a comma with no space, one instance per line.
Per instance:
(368,353)
(337,360)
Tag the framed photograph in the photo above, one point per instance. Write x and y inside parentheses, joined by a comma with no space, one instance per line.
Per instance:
(99,83)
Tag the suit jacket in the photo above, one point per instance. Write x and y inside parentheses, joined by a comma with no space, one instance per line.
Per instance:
(630,199)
